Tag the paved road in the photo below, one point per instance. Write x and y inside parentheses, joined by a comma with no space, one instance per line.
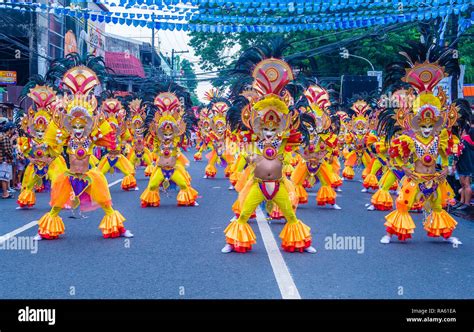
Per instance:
(176,254)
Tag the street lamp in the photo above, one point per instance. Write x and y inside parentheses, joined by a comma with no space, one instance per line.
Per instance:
(345,55)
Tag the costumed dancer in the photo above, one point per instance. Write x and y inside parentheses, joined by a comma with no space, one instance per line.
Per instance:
(271,121)
(218,138)
(44,162)
(426,124)
(388,129)
(115,159)
(138,152)
(168,129)
(202,131)
(372,172)
(356,140)
(244,138)
(322,143)
(80,127)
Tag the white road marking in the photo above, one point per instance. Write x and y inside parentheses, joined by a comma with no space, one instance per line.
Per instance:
(33,223)
(283,277)
(338,194)
(23,228)
(115,182)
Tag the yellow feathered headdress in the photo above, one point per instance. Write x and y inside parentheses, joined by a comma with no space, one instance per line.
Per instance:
(168,118)
(271,111)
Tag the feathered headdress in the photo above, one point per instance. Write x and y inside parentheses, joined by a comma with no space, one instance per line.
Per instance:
(318,109)
(270,111)
(426,64)
(360,119)
(78,104)
(60,67)
(168,119)
(138,116)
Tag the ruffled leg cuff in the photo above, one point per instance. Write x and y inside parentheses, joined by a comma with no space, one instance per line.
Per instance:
(417,206)
(40,188)
(348,173)
(112,225)
(295,236)
(288,169)
(27,198)
(337,181)
(234,177)
(228,170)
(400,224)
(240,236)
(382,200)
(364,173)
(302,194)
(276,213)
(187,197)
(440,224)
(211,171)
(371,182)
(129,182)
(394,186)
(236,207)
(326,195)
(149,170)
(197,156)
(150,198)
(50,227)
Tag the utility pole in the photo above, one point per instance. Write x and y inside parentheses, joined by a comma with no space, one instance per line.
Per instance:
(173,52)
(454,34)
(153,41)
(86,28)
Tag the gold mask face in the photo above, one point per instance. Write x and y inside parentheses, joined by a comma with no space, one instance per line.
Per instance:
(167,131)
(40,126)
(78,126)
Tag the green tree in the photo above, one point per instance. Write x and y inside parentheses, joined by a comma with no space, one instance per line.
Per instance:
(466,52)
(189,79)
(379,44)
(217,51)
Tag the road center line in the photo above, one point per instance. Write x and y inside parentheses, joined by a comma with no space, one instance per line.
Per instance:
(33,223)
(283,277)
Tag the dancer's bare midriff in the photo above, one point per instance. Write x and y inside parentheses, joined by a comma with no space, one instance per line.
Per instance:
(167,162)
(267,169)
(421,169)
(78,165)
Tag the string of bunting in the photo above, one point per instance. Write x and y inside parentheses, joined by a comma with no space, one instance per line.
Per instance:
(241,24)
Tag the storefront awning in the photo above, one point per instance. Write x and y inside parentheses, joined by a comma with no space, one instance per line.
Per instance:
(124,64)
(468,91)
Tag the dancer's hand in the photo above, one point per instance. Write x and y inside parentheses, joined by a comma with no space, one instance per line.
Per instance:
(443,174)
(250,158)
(408,172)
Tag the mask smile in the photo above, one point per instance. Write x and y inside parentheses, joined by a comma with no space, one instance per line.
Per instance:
(426,130)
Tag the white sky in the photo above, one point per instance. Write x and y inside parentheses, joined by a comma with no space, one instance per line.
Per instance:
(166,41)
